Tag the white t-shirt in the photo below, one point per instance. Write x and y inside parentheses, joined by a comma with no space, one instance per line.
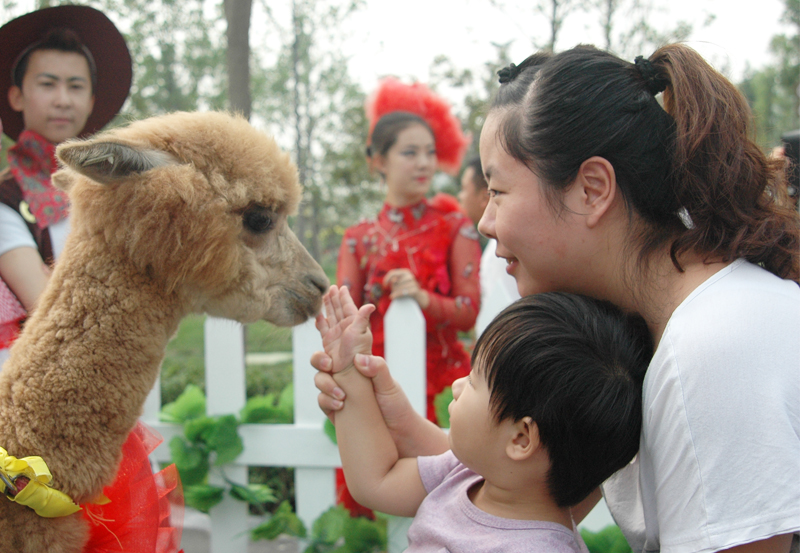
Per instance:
(14,232)
(719,459)
(498,288)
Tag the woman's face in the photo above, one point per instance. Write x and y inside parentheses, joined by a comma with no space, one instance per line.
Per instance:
(537,242)
(408,166)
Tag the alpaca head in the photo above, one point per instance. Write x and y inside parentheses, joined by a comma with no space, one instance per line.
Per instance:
(197,203)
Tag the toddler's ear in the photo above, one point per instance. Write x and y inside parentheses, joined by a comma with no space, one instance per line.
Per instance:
(524,440)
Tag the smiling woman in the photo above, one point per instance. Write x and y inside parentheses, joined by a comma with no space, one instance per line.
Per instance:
(425,250)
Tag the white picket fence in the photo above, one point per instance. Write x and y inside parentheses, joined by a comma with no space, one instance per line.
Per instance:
(302,445)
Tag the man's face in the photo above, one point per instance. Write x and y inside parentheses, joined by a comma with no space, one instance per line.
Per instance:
(56,95)
(473,200)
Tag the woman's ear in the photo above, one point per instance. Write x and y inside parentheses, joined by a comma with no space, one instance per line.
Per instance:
(596,185)
(524,440)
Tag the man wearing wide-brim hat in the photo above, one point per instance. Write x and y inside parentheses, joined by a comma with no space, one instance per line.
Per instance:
(65,72)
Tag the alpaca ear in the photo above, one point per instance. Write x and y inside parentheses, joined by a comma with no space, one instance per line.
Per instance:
(110,162)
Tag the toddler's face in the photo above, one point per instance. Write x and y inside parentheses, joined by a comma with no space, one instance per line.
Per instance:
(474,436)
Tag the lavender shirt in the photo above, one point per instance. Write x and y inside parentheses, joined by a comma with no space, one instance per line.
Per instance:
(448,521)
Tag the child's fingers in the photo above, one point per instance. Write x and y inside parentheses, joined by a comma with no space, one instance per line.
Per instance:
(363,316)
(336,301)
(348,305)
(330,312)
(321,323)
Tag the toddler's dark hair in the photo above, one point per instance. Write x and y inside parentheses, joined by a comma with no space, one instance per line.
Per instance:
(575,366)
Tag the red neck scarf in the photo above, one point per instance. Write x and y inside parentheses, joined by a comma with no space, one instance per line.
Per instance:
(32,160)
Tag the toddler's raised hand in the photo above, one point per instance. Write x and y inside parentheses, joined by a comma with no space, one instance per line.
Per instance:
(344,329)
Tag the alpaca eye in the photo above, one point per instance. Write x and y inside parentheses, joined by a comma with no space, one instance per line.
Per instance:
(257,220)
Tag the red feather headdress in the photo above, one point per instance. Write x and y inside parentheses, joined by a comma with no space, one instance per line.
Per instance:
(392,95)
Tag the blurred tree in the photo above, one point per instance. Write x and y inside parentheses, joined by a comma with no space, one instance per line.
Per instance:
(627,30)
(774,91)
(310,91)
(237,33)
(178,54)
(475,91)
(555,12)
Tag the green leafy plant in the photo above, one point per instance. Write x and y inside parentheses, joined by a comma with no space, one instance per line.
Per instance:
(607,540)
(283,521)
(335,531)
(440,404)
(209,443)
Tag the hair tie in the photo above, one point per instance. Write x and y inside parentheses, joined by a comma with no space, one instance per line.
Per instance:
(654,81)
(508,74)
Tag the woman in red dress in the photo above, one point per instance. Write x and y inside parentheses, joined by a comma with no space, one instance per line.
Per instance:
(426,249)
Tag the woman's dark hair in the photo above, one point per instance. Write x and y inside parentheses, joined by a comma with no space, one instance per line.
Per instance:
(689,168)
(384,135)
(575,365)
(61,40)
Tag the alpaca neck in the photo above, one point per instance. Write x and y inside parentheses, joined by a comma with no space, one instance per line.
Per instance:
(89,356)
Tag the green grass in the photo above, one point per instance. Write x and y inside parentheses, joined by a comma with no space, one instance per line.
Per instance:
(184,361)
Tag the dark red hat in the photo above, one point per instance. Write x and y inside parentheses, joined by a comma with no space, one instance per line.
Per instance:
(99,35)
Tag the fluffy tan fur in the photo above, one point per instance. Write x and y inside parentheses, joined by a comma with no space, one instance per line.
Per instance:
(171,215)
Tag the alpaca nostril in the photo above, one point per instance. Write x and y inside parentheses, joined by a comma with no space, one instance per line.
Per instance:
(319,281)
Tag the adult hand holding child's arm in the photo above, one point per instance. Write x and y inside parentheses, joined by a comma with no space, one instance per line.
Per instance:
(376,476)
(413,434)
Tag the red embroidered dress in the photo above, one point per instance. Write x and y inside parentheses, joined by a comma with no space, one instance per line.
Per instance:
(440,246)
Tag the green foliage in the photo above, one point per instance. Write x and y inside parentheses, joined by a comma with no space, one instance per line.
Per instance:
(607,540)
(335,531)
(255,494)
(184,363)
(266,409)
(310,95)
(202,496)
(440,404)
(225,440)
(178,54)
(191,404)
(362,535)
(330,431)
(191,461)
(283,521)
(772,91)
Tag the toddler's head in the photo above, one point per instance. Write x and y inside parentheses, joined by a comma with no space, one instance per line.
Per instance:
(575,366)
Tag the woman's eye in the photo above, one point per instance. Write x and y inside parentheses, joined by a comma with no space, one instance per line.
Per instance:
(257,219)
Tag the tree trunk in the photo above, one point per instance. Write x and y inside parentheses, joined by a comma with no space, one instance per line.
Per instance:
(237,14)
(302,215)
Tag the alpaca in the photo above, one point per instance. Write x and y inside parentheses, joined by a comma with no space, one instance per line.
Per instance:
(178,214)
